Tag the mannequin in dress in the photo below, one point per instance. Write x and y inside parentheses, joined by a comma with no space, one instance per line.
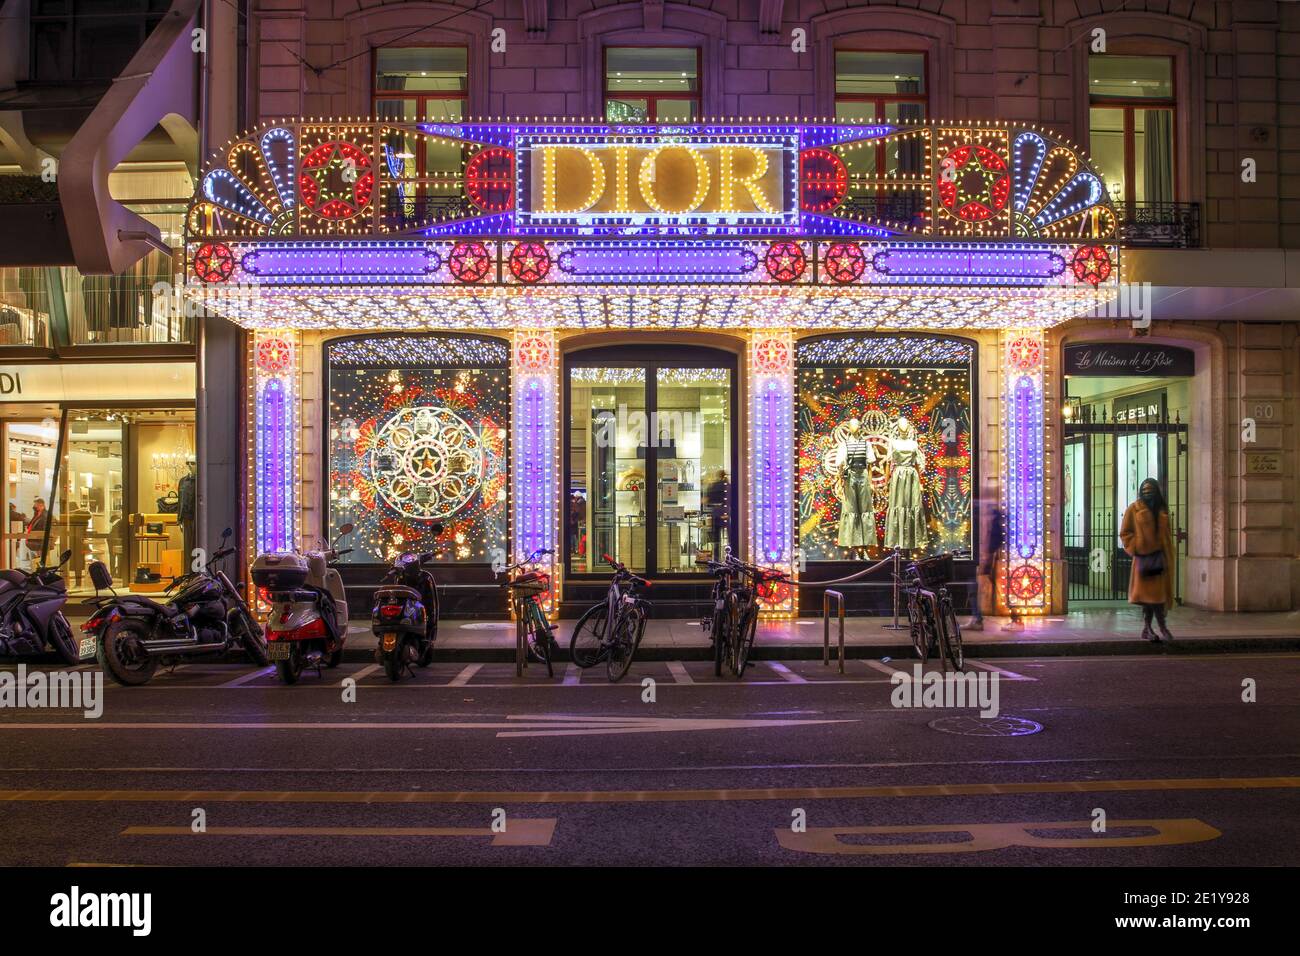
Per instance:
(848,460)
(905,519)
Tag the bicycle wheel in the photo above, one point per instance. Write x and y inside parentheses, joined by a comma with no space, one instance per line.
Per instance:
(916,624)
(540,635)
(621,647)
(719,636)
(585,646)
(735,632)
(748,630)
(950,635)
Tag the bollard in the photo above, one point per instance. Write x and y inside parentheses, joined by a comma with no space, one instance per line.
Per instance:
(826,626)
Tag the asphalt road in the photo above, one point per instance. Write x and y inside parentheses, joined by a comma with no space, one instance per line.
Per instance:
(796,765)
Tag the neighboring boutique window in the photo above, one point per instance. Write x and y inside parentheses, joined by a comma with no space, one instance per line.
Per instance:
(1131,126)
(417,431)
(884,433)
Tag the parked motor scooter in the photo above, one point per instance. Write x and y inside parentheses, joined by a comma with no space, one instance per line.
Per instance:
(404,617)
(31,613)
(308,625)
(206,614)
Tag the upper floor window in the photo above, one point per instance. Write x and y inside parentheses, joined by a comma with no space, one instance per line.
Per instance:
(652,84)
(1132,112)
(882,87)
(89,40)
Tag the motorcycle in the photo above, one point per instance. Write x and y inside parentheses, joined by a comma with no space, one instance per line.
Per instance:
(31,613)
(308,625)
(205,614)
(404,618)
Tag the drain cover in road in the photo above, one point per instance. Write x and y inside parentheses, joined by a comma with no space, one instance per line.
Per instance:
(1004,726)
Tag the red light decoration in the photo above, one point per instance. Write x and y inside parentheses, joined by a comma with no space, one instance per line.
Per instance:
(978,185)
(785,261)
(529,262)
(823,179)
(214,262)
(336,181)
(533,354)
(469,261)
(273,355)
(1091,264)
(774,594)
(489,179)
(771,355)
(845,262)
(1025,582)
(1024,353)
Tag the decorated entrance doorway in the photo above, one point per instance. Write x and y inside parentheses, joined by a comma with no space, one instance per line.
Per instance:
(650,458)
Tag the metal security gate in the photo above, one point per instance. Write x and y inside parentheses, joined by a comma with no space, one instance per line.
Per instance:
(1106,458)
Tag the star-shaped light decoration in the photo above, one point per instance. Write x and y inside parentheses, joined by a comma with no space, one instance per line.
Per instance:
(529,262)
(469,261)
(336,181)
(973,183)
(1091,264)
(214,262)
(785,261)
(845,262)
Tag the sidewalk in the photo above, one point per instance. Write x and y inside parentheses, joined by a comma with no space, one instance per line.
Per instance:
(1103,631)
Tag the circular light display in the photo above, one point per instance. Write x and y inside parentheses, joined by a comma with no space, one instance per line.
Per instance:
(973,183)
(273,355)
(1025,582)
(771,355)
(529,262)
(469,261)
(533,354)
(214,262)
(785,261)
(823,180)
(1091,264)
(336,181)
(845,262)
(427,462)
(489,179)
(1024,353)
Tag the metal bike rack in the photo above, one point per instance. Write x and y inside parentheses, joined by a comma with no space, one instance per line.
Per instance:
(521,653)
(826,626)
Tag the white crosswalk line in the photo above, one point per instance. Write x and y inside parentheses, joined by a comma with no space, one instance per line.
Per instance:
(678,670)
(573,675)
(786,673)
(365,672)
(880,666)
(464,677)
(250,676)
(1009,675)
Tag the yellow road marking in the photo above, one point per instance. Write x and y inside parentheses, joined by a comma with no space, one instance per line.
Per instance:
(994,836)
(517,832)
(645,796)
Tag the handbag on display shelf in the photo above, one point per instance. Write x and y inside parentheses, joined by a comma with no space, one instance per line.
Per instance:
(170,503)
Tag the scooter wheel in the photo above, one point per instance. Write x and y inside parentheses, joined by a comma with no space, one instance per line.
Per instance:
(335,659)
(291,669)
(426,656)
(393,665)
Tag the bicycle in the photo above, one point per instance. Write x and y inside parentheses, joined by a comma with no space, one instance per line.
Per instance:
(734,623)
(612,630)
(931,618)
(526,591)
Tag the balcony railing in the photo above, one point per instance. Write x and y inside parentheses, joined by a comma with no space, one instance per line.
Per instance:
(1160,225)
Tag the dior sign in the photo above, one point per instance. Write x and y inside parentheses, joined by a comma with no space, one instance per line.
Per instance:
(1128,358)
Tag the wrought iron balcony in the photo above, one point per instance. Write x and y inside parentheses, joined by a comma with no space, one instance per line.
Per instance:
(1160,225)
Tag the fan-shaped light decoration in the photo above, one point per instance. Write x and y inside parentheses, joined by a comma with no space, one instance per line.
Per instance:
(469,261)
(785,261)
(823,180)
(1091,264)
(845,262)
(490,179)
(529,261)
(336,181)
(214,262)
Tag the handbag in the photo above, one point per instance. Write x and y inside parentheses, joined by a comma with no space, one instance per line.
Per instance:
(1151,565)
(152,528)
(170,503)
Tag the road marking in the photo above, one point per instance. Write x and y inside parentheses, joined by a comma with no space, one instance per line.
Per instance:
(994,836)
(882,667)
(572,675)
(521,725)
(647,796)
(463,678)
(250,676)
(365,672)
(517,833)
(1009,675)
(786,673)
(678,670)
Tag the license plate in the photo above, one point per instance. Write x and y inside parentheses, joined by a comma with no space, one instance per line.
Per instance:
(390,641)
(277,650)
(86,648)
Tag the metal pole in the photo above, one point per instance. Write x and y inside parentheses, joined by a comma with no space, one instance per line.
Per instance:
(841,633)
(54,483)
(895,626)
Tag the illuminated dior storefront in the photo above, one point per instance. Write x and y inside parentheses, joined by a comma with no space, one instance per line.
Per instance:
(652,342)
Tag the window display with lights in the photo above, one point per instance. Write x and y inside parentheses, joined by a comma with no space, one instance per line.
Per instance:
(885,433)
(417,437)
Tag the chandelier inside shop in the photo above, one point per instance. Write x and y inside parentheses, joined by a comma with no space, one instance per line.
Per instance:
(344,224)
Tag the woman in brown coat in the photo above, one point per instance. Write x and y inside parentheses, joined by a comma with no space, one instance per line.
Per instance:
(1145,535)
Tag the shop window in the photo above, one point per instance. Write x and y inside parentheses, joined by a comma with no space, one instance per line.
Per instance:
(885,432)
(126,494)
(1132,116)
(417,437)
(874,87)
(646,84)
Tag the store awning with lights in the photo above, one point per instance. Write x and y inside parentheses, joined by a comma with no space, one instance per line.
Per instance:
(553,225)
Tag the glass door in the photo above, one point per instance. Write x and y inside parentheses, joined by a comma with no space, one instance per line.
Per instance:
(650,460)
(29,449)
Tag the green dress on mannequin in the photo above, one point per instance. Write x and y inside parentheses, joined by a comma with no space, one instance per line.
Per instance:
(905,519)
